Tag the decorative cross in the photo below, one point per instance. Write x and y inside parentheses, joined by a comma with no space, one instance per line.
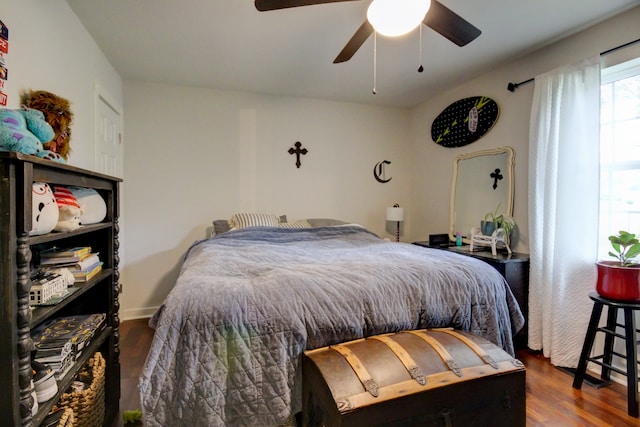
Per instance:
(297,152)
(496,177)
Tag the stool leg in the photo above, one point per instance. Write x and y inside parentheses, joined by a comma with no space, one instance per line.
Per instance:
(612,320)
(588,343)
(632,362)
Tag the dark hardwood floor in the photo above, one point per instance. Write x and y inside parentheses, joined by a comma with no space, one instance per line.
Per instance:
(135,341)
(551,400)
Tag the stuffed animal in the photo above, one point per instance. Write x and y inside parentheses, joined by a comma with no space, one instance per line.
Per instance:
(57,112)
(132,416)
(69,211)
(44,209)
(25,131)
(93,206)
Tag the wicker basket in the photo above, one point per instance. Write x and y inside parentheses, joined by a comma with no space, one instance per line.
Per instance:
(67,419)
(88,405)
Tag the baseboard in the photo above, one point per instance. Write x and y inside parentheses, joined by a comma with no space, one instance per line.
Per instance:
(137,313)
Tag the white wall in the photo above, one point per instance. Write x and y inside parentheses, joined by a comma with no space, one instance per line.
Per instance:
(194,155)
(49,49)
(430,194)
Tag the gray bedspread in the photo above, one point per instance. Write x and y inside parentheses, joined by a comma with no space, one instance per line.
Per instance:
(229,337)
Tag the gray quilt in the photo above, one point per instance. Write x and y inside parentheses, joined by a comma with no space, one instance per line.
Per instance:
(230,335)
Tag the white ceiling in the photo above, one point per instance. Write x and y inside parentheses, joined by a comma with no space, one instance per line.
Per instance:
(228,44)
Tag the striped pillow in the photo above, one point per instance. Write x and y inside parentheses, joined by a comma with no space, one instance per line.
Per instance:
(244,220)
(301,223)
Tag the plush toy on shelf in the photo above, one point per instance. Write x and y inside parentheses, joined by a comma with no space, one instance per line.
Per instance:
(44,209)
(68,209)
(25,131)
(94,208)
(57,112)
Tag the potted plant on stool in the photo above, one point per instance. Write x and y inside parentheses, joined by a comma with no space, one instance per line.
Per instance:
(620,280)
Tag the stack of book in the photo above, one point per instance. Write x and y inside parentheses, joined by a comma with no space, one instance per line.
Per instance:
(83,263)
(60,341)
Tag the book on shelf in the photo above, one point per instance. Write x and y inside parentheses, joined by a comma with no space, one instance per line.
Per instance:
(55,252)
(58,262)
(86,261)
(51,352)
(88,329)
(64,257)
(88,273)
(72,263)
(60,367)
(58,354)
(61,340)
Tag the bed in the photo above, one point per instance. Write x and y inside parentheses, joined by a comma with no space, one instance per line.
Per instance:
(248,302)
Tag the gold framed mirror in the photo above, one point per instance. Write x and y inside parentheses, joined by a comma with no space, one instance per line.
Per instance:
(482,182)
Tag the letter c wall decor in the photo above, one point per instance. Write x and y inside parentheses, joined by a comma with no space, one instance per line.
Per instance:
(379,171)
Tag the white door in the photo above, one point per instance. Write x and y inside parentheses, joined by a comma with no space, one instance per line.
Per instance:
(108,139)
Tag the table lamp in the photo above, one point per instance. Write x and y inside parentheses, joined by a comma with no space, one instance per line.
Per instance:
(396,213)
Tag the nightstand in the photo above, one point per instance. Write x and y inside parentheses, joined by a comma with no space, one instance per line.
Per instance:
(513,267)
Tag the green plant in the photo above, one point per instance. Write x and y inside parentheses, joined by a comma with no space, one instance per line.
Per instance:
(506,222)
(625,247)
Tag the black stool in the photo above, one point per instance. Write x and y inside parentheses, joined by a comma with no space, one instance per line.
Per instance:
(605,359)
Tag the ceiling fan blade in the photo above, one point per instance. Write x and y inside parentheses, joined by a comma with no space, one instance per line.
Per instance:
(449,24)
(357,40)
(266,5)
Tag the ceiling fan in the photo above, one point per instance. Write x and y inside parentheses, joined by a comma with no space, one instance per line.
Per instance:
(439,18)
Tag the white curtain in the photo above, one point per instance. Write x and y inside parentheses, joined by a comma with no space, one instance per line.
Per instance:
(564,149)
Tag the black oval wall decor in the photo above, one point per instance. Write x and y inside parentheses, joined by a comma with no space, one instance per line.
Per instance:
(465,121)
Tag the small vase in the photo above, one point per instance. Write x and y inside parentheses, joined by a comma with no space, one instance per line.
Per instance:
(618,282)
(487,227)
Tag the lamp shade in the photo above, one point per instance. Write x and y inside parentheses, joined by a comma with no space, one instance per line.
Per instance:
(396,17)
(395,214)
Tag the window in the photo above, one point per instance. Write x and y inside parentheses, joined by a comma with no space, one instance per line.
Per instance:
(619,152)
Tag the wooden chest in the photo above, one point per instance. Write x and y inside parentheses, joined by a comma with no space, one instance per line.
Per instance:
(437,377)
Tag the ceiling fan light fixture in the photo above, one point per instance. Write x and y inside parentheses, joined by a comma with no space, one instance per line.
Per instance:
(396,17)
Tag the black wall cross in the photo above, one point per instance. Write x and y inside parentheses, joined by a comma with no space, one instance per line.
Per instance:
(496,175)
(297,152)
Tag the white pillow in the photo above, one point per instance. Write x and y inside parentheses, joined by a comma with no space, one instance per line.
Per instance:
(244,220)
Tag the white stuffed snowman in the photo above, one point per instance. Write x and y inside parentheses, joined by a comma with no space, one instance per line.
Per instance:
(44,209)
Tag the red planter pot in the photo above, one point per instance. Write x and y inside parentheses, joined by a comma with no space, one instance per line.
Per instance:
(617,282)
